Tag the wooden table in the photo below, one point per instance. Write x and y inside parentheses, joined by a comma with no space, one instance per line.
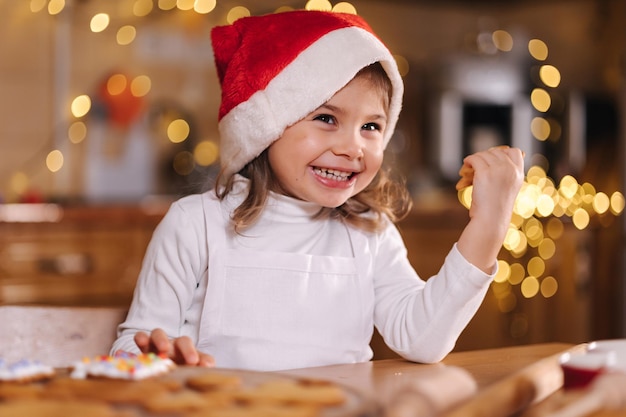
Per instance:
(502,382)
(506,380)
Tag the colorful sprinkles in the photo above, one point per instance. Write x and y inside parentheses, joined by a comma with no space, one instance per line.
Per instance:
(123,366)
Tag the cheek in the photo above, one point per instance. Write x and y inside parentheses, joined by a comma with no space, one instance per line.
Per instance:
(375,158)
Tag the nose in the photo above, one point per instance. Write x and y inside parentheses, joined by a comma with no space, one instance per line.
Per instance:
(349,144)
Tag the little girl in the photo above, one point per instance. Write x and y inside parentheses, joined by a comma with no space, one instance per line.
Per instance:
(294,257)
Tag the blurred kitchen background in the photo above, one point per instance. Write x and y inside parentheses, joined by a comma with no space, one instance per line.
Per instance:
(108,113)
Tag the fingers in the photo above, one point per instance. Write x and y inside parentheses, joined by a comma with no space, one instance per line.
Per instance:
(185,352)
(142,340)
(206,360)
(181,350)
(160,342)
(484,158)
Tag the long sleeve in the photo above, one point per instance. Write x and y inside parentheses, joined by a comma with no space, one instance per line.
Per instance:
(421,320)
(173,265)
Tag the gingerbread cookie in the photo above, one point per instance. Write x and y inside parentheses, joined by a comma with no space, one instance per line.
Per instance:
(24,371)
(212,381)
(57,408)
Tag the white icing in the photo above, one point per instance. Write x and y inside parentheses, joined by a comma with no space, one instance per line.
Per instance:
(23,369)
(123,367)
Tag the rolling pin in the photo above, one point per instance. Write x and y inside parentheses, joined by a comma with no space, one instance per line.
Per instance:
(432,395)
(517,391)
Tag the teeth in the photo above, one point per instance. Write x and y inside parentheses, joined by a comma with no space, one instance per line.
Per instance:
(333,174)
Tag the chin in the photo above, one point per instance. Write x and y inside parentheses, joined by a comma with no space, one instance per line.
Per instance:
(331,205)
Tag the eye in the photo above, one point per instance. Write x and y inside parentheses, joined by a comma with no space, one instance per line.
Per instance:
(326,118)
(371,127)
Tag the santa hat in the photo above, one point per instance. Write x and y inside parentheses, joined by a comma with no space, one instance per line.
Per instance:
(277,68)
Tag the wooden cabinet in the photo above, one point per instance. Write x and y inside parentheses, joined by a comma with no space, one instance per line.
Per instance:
(91,256)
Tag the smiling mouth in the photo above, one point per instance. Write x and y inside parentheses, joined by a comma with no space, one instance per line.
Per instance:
(333,174)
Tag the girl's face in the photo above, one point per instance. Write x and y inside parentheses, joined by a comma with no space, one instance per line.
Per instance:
(335,151)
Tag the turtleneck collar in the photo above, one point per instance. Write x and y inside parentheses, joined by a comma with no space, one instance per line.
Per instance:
(278,206)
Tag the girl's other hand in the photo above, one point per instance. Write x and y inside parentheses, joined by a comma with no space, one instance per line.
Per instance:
(181,349)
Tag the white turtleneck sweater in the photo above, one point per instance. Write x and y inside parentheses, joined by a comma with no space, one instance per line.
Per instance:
(293,290)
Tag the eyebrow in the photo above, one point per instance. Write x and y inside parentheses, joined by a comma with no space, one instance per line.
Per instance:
(375,116)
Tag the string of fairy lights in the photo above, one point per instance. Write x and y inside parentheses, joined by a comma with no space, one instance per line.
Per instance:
(176,130)
(543,206)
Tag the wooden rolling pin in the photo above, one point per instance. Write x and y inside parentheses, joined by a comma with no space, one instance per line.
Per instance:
(517,391)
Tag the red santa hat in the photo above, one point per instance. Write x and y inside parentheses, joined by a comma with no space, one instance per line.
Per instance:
(275,69)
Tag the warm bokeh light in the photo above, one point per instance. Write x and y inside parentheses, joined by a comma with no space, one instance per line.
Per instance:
(204,6)
(529,287)
(549,287)
(534,232)
(54,160)
(77,132)
(617,202)
(56,6)
(19,183)
(502,40)
(512,238)
(116,84)
(540,128)
(504,271)
(536,266)
(183,163)
(140,86)
(540,99)
(142,8)
(601,203)
(237,12)
(545,205)
(80,106)
(546,249)
(206,153)
(555,228)
(526,201)
(99,22)
(185,4)
(580,218)
(178,131)
(37,5)
(549,75)
(344,7)
(517,273)
(126,35)
(568,186)
(322,5)
(538,49)
(167,4)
